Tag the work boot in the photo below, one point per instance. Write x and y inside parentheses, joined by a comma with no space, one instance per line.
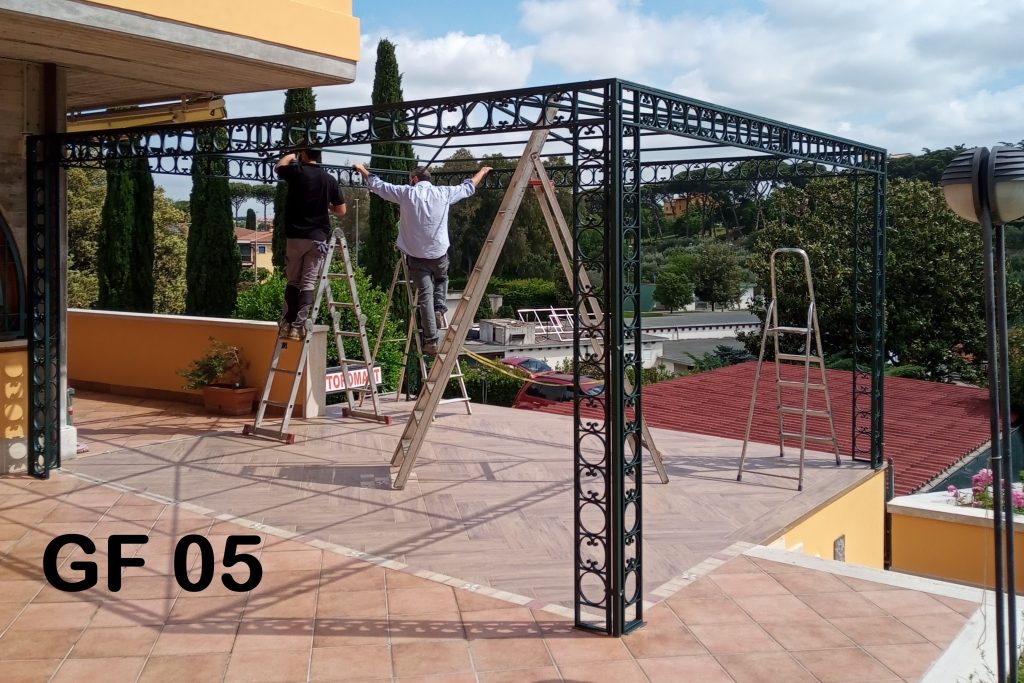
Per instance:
(294,333)
(430,349)
(283,328)
(439,319)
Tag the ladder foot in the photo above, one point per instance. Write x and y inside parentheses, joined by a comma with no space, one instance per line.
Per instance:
(739,477)
(289,438)
(799,487)
(246,430)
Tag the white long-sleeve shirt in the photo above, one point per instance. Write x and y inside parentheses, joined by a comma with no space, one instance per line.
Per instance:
(423,226)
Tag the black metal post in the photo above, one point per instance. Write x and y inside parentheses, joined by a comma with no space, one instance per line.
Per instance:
(994,414)
(999,239)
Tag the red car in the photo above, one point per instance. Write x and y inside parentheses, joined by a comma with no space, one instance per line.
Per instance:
(531,367)
(553,388)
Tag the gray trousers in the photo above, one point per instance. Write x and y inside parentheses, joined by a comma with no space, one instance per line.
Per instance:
(303,262)
(430,282)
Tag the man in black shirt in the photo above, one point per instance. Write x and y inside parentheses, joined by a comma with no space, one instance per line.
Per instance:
(312,194)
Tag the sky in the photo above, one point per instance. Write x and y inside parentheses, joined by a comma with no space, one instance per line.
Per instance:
(900,74)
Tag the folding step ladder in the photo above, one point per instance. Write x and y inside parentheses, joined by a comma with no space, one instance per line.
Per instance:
(811,353)
(280,431)
(523,177)
(414,342)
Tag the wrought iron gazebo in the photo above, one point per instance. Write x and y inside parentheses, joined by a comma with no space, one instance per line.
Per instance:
(619,136)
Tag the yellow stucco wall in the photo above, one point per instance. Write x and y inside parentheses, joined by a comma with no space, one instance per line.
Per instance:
(14,390)
(326,27)
(947,550)
(141,353)
(859,514)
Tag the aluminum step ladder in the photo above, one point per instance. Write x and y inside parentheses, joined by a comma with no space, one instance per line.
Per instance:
(261,425)
(413,349)
(812,353)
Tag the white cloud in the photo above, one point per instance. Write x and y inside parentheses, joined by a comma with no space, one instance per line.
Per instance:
(902,75)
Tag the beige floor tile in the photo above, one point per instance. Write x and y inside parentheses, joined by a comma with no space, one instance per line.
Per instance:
(765,667)
(113,613)
(604,672)
(737,585)
(185,639)
(29,671)
(544,675)
(712,610)
(583,648)
(515,622)
(841,605)
(207,668)
(846,665)
(941,629)
(721,639)
(190,610)
(877,631)
(362,604)
(813,634)
(432,598)
(702,668)
(62,615)
(107,670)
(278,666)
(773,608)
(906,603)
(910,660)
(349,632)
(497,654)
(431,657)
(133,641)
(663,640)
(283,634)
(351,663)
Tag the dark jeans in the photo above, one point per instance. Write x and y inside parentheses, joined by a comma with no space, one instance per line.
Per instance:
(303,261)
(430,281)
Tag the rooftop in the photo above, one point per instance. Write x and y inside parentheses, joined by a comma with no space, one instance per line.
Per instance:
(929,426)
(677,350)
(325,612)
(700,319)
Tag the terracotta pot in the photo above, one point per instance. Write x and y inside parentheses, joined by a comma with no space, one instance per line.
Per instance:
(228,400)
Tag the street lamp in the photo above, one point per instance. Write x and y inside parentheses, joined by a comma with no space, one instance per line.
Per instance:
(987,187)
(356,200)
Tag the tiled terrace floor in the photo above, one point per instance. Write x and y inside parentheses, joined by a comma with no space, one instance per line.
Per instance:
(322,614)
(490,500)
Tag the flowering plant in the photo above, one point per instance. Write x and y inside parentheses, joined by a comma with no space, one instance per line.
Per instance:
(980,495)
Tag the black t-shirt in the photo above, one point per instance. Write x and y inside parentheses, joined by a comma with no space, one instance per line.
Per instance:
(310,190)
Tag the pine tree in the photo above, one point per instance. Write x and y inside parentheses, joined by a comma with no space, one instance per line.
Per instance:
(296,101)
(379,254)
(214,263)
(250,219)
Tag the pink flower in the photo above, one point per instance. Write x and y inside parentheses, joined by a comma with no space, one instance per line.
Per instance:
(1018,498)
(953,491)
(982,479)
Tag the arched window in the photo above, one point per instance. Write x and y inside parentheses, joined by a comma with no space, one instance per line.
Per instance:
(12,290)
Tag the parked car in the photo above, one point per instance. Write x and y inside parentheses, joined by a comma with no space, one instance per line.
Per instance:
(531,367)
(551,388)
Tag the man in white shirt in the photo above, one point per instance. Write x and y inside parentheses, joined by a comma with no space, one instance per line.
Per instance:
(423,237)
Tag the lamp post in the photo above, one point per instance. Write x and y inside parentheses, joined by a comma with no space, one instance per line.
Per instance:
(356,200)
(987,187)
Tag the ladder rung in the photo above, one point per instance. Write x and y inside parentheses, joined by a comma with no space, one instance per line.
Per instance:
(812,439)
(338,276)
(343,304)
(283,371)
(344,333)
(799,385)
(276,404)
(787,410)
(457,399)
(798,357)
(791,330)
(271,433)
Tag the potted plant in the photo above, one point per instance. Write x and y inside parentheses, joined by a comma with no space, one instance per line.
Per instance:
(220,374)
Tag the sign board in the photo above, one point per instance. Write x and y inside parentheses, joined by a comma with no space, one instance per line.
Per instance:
(336,381)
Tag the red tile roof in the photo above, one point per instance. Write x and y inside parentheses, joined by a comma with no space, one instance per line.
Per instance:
(258,236)
(929,426)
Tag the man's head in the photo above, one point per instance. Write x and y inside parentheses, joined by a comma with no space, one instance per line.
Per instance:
(419,173)
(310,155)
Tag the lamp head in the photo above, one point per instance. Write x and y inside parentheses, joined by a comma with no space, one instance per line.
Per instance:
(1006,183)
(961,183)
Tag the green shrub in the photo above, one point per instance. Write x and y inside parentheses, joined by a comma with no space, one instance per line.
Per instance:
(485,385)
(1017,368)
(911,371)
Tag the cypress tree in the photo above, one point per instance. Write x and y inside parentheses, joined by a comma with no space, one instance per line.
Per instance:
(296,101)
(213,263)
(114,248)
(250,219)
(143,247)
(379,254)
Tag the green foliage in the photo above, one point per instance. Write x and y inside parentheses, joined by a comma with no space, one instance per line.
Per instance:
(86,190)
(651,375)
(240,193)
(1016,354)
(83,289)
(143,238)
(721,357)
(673,288)
(529,293)
(717,276)
(933,306)
(708,361)
(908,371)
(264,194)
(927,167)
(485,385)
(379,255)
(114,250)
(221,364)
(171,249)
(265,301)
(213,262)
(250,219)
(250,276)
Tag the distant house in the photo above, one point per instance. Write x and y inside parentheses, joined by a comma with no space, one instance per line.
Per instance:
(256,248)
(679,356)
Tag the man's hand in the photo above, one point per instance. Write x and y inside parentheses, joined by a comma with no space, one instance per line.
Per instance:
(285,160)
(479,177)
(361,169)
